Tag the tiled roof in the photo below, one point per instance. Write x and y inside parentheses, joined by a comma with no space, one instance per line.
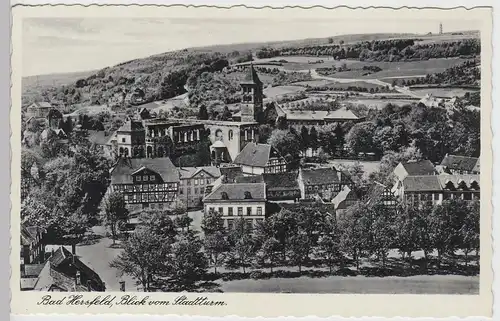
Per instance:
(188,172)
(319,176)
(99,137)
(32,270)
(131,125)
(254,155)
(460,162)
(306,114)
(122,172)
(237,191)
(457,179)
(251,77)
(423,167)
(230,173)
(342,113)
(322,207)
(249,179)
(422,183)
(51,278)
(43,104)
(281,181)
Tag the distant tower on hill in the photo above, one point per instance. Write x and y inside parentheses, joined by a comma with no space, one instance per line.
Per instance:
(252,101)
(440,28)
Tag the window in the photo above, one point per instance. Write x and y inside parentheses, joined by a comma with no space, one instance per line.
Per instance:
(240,211)
(202,190)
(138,178)
(208,181)
(259,210)
(196,182)
(230,224)
(210,209)
(221,210)
(123,140)
(153,205)
(189,183)
(249,211)
(196,190)
(151,177)
(189,190)
(230,134)
(145,178)
(230,211)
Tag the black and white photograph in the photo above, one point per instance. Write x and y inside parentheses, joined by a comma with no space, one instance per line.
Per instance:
(253,154)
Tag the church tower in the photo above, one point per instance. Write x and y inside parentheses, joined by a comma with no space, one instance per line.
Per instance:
(252,104)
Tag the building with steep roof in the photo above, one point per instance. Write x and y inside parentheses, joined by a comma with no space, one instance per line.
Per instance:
(414,168)
(146,182)
(238,200)
(38,109)
(194,181)
(65,272)
(282,187)
(131,139)
(310,118)
(252,99)
(455,164)
(32,247)
(256,159)
(324,183)
(433,189)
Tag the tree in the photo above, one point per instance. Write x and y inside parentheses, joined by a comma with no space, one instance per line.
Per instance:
(216,247)
(304,135)
(143,257)
(360,138)
(114,212)
(203,113)
(160,224)
(212,222)
(226,114)
(329,250)
(406,231)
(241,245)
(299,250)
(470,231)
(183,222)
(270,252)
(185,264)
(382,231)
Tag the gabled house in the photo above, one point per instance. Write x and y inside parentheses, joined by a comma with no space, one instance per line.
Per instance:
(238,200)
(146,182)
(38,109)
(455,164)
(257,159)
(433,189)
(324,183)
(194,181)
(65,272)
(32,247)
(414,168)
(282,187)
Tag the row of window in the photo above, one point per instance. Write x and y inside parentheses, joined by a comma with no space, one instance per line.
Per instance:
(144,187)
(230,210)
(145,178)
(197,181)
(433,197)
(149,197)
(275,169)
(197,191)
(335,187)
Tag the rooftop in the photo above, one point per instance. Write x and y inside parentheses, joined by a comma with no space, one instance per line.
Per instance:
(423,167)
(251,77)
(438,182)
(281,181)
(99,137)
(460,162)
(238,192)
(256,155)
(122,172)
(320,176)
(131,125)
(188,172)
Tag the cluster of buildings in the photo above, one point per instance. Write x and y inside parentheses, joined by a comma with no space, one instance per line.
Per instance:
(53,268)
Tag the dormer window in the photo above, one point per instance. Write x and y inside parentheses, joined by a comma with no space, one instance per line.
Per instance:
(224,196)
(248,195)
(474,185)
(450,186)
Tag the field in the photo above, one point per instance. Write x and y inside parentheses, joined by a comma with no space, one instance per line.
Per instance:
(380,103)
(271,92)
(400,69)
(442,92)
(428,284)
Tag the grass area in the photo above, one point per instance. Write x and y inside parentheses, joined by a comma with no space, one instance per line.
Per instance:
(441,92)
(428,284)
(282,90)
(400,68)
(380,103)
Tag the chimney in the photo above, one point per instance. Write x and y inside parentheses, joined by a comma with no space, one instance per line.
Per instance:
(78,278)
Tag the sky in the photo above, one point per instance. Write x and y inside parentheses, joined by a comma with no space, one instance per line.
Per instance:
(59,45)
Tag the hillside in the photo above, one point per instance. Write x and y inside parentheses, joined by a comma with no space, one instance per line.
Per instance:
(164,76)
